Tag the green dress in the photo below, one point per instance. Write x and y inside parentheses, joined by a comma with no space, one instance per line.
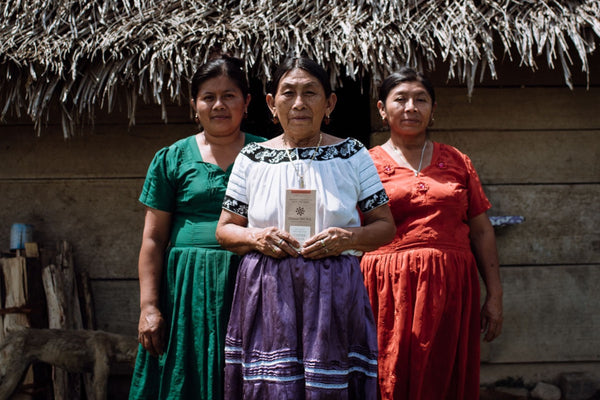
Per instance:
(198,277)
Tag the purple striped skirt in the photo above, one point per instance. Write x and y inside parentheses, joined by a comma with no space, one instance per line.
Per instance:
(300,329)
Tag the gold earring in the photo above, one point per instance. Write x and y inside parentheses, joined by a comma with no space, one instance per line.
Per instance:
(275,119)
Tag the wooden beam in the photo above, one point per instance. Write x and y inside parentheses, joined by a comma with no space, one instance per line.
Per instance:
(560,227)
(518,157)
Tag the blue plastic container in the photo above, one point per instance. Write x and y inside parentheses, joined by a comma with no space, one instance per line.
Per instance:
(19,235)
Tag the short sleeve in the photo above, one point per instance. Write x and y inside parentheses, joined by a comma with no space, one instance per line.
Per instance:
(159,189)
(236,199)
(372,194)
(478,201)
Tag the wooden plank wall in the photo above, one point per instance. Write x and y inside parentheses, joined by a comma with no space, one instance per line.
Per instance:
(85,190)
(535,148)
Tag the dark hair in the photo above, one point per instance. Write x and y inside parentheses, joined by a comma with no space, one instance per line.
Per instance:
(224,65)
(307,65)
(405,74)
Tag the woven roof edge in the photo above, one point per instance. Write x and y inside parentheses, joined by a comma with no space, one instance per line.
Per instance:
(82,55)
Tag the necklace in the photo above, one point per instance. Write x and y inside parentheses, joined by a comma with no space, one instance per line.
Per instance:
(298,174)
(399,152)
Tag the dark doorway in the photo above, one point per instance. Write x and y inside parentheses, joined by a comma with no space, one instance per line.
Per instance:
(351,117)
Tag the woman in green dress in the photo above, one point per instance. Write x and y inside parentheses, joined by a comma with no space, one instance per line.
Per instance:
(186,278)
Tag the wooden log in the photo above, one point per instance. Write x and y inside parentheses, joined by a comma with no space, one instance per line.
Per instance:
(89,316)
(63,313)
(65,259)
(15,288)
(72,306)
(74,350)
(55,299)
(14,271)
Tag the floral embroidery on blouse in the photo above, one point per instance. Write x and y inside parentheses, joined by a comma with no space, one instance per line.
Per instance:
(235,206)
(422,187)
(388,169)
(345,149)
(373,201)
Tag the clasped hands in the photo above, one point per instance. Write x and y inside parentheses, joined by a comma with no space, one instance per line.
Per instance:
(277,243)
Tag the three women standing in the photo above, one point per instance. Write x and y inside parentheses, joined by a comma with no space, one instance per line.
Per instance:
(186,278)
(424,285)
(301,325)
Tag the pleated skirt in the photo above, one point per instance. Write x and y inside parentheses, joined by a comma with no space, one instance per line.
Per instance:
(196,294)
(426,306)
(300,329)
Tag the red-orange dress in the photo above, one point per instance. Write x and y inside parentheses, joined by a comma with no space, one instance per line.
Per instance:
(424,286)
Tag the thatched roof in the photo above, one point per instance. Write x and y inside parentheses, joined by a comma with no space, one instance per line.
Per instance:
(83,53)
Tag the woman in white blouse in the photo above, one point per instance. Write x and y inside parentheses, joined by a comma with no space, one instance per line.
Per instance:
(301,324)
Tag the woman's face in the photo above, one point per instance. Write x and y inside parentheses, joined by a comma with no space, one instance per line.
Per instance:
(220,106)
(300,103)
(408,108)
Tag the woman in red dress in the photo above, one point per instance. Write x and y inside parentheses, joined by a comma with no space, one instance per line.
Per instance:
(424,286)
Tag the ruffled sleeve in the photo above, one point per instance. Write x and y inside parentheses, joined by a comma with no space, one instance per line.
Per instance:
(160,187)
(372,194)
(478,201)
(236,198)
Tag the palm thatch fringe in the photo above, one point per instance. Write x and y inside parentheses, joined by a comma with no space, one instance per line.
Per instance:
(80,54)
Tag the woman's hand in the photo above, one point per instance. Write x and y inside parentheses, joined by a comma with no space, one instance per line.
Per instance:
(378,229)
(234,235)
(330,242)
(274,242)
(151,330)
(491,318)
(157,228)
(483,242)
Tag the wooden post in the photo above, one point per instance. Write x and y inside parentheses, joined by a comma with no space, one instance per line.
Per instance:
(14,315)
(57,316)
(64,312)
(89,316)
(15,283)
